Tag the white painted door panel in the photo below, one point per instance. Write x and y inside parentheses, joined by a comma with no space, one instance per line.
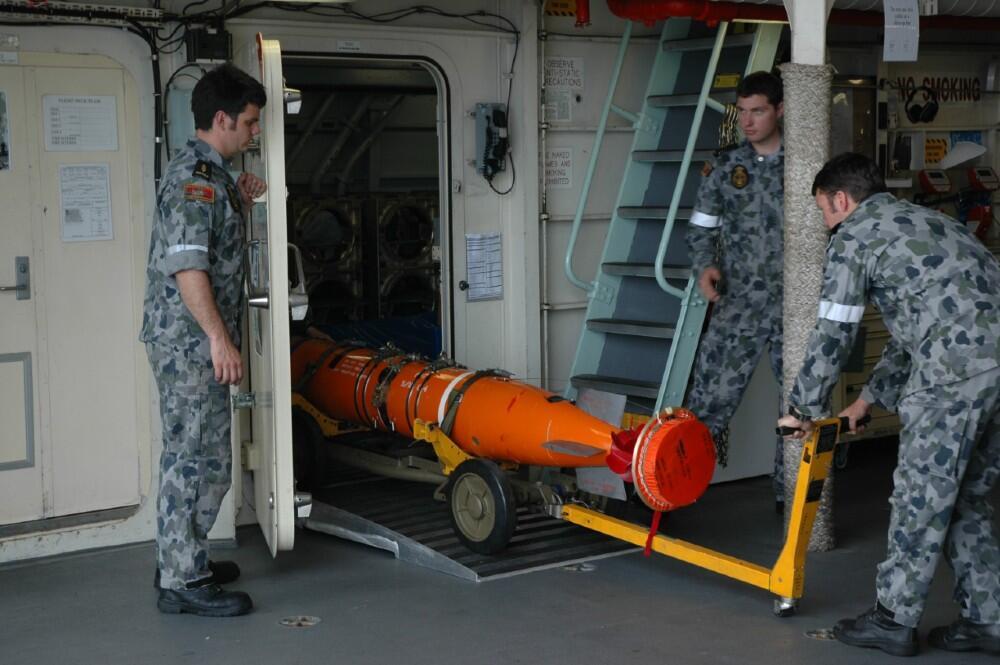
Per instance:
(20,463)
(90,318)
(79,327)
(268,334)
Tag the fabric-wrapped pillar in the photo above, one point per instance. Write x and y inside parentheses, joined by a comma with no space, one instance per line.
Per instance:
(807,147)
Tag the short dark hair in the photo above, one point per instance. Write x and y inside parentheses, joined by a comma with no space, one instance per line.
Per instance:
(762,83)
(226,88)
(852,173)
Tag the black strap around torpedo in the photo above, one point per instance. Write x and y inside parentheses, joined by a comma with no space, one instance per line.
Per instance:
(380,399)
(380,355)
(452,413)
(415,390)
(314,366)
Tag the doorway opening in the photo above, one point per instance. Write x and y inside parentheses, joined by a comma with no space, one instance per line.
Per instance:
(366,167)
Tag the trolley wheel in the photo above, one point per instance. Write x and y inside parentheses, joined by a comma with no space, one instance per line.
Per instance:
(483,508)
(785,607)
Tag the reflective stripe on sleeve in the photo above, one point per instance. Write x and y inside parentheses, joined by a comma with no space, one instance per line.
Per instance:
(707,221)
(842,313)
(177,249)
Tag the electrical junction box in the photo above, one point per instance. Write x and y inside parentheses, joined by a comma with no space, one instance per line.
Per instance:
(208,45)
(491,139)
(934,181)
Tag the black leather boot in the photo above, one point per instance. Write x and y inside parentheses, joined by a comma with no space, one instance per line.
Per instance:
(963,635)
(210,600)
(223,572)
(876,629)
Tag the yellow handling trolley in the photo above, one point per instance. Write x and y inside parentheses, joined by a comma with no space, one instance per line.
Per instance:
(785,579)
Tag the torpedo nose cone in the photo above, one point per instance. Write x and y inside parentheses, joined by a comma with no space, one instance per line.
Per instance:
(673,460)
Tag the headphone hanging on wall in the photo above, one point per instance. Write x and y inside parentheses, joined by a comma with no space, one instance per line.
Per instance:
(921,112)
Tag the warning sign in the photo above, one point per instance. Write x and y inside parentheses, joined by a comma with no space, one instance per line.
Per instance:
(559,168)
(935,150)
(560,8)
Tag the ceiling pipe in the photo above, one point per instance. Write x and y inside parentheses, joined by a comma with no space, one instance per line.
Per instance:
(650,11)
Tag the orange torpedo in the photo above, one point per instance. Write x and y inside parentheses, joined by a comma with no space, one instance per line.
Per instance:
(487,414)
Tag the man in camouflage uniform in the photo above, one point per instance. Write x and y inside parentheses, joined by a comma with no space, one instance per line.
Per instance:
(938,289)
(735,242)
(191,326)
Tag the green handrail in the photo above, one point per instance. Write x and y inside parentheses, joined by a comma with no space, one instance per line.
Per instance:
(675,200)
(592,167)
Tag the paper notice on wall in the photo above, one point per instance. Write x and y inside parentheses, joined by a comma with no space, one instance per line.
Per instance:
(559,168)
(902,30)
(78,123)
(85,202)
(563,81)
(484,266)
(558,105)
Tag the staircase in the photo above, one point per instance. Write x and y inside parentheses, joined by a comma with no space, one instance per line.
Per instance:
(645,315)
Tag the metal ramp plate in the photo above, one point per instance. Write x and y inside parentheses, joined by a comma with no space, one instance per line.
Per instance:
(403,518)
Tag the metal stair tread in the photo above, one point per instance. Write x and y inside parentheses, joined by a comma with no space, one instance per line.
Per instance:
(651,212)
(627,269)
(617,385)
(670,156)
(632,327)
(706,43)
(691,99)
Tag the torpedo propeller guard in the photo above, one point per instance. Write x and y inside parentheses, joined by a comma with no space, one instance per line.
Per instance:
(489,415)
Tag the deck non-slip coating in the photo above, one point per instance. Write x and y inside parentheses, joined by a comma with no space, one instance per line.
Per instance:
(99,608)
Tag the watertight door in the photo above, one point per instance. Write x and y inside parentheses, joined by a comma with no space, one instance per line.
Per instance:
(270,453)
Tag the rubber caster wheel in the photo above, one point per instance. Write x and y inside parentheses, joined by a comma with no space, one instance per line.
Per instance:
(840,455)
(483,508)
(785,607)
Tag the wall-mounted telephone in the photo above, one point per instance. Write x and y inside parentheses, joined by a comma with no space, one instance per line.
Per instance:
(491,139)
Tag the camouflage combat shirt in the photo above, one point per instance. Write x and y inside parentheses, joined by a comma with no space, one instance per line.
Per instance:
(737,226)
(936,286)
(198,226)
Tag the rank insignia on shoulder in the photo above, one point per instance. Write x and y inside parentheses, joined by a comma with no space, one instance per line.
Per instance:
(234,198)
(706,170)
(739,177)
(195,192)
(203,169)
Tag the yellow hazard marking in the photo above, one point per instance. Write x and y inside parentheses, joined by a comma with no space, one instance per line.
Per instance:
(726,81)
(560,8)
(935,150)
(630,420)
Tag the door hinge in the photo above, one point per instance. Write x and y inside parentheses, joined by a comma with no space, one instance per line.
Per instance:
(244,401)
(303,504)
(250,456)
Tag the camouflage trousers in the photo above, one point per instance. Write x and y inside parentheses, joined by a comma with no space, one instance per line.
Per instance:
(949,460)
(196,462)
(727,358)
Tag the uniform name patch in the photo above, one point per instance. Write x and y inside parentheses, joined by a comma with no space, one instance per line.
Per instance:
(234,198)
(739,177)
(196,192)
